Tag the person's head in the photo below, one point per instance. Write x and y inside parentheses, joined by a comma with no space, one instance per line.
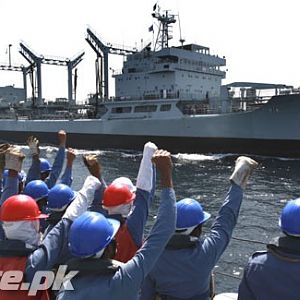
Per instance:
(125,181)
(45,168)
(190,217)
(118,199)
(20,218)
(21,178)
(289,220)
(38,190)
(60,197)
(92,235)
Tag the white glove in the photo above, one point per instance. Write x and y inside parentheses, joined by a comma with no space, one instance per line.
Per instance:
(14,159)
(145,175)
(33,144)
(242,171)
(83,199)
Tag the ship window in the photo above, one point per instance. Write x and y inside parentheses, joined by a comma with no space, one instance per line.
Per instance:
(165,107)
(120,110)
(145,108)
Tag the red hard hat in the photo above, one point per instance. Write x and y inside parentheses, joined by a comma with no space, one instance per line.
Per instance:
(20,208)
(116,194)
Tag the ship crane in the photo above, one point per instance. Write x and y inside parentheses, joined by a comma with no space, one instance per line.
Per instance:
(24,70)
(102,67)
(36,61)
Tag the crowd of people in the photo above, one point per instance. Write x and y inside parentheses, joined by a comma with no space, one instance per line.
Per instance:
(57,243)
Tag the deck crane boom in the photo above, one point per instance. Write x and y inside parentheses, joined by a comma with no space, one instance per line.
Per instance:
(102,50)
(36,61)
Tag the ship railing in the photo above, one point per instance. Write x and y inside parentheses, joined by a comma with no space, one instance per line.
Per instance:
(155,96)
(202,69)
(7,117)
(205,109)
(165,94)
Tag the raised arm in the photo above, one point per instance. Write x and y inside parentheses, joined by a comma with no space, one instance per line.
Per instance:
(67,178)
(141,264)
(136,221)
(13,162)
(3,149)
(34,171)
(59,160)
(222,228)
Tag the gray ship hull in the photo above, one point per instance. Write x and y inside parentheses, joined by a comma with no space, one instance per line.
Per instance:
(272,129)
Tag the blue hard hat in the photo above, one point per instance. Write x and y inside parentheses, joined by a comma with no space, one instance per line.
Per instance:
(36,189)
(21,176)
(90,233)
(190,214)
(45,165)
(60,196)
(289,221)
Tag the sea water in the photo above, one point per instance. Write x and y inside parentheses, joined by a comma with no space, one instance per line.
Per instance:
(205,178)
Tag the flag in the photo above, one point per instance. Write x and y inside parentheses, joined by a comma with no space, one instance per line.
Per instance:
(154,7)
(150,28)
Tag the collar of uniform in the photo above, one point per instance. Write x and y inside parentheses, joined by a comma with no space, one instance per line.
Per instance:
(15,248)
(179,241)
(55,217)
(289,242)
(90,265)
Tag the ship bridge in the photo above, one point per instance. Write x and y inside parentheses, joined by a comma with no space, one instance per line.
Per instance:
(195,48)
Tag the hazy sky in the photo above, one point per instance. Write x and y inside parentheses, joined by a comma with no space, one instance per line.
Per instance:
(259,38)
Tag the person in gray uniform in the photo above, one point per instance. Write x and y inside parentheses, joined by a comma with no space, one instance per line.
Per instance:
(275,273)
(92,241)
(22,250)
(184,269)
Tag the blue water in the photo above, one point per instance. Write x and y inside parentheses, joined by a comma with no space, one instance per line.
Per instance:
(205,178)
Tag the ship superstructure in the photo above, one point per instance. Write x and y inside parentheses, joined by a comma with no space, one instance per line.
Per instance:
(183,72)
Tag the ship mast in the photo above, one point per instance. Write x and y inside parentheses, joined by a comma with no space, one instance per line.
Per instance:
(164,33)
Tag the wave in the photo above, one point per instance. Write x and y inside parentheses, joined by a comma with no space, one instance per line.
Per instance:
(201,157)
(51,149)
(220,156)
(179,156)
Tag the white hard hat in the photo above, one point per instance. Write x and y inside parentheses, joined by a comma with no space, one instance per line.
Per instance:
(126,181)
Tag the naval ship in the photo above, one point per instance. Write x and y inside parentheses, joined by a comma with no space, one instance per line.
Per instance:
(174,97)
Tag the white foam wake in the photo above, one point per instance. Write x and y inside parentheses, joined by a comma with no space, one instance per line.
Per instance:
(201,157)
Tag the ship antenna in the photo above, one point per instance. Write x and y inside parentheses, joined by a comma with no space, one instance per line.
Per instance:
(181,40)
(165,21)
